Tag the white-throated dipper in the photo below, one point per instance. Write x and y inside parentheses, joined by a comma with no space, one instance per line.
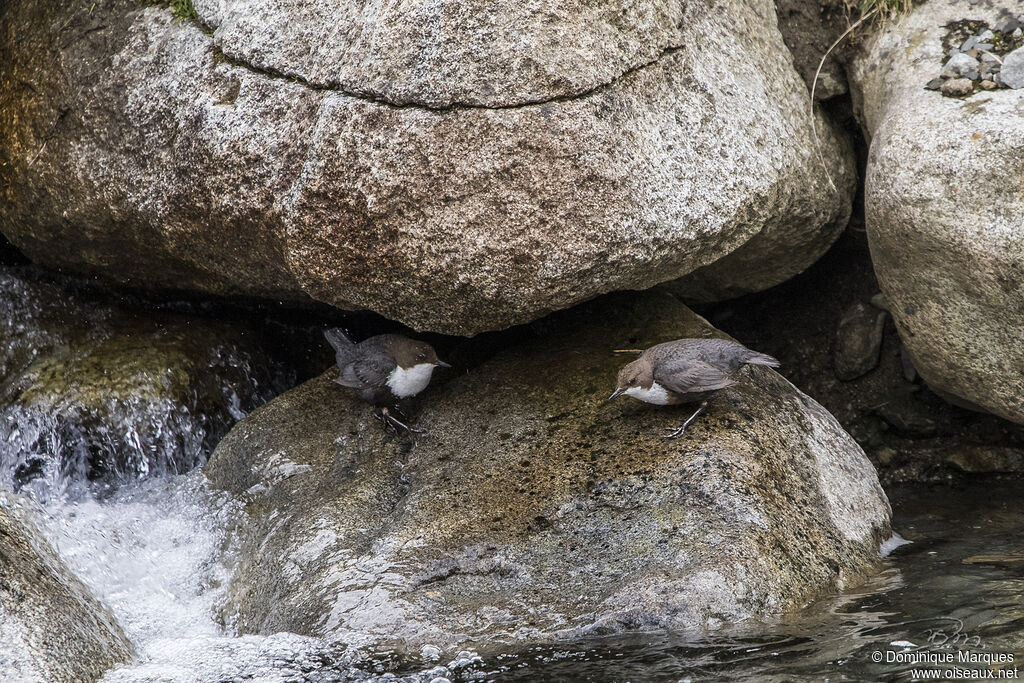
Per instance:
(385,369)
(686,371)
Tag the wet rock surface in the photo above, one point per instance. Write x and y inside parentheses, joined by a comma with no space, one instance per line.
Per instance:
(92,395)
(534,510)
(157,155)
(52,630)
(946,242)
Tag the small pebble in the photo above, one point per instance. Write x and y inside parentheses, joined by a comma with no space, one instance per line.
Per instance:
(1010,25)
(969,44)
(884,456)
(935,84)
(957,87)
(987,85)
(858,341)
(960,65)
(986,36)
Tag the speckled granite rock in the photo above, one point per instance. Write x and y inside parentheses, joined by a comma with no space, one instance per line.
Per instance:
(459,168)
(945,212)
(52,630)
(534,510)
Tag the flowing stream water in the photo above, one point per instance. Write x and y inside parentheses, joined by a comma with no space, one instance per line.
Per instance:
(158,553)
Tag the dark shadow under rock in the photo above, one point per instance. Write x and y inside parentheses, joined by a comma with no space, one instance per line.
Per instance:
(910,432)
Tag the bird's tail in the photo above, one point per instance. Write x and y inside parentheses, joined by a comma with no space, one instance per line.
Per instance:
(762,359)
(338,339)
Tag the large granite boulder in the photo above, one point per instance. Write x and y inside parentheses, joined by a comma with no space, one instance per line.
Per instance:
(945,207)
(52,630)
(456,167)
(93,395)
(535,510)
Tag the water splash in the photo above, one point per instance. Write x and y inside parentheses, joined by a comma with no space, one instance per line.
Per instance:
(92,397)
(158,553)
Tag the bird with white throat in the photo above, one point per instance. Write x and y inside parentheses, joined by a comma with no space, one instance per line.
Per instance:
(384,369)
(686,371)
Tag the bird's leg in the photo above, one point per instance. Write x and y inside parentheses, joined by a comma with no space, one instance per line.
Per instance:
(394,422)
(678,431)
(381,415)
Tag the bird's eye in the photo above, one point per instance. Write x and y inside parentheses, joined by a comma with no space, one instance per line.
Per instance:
(422,356)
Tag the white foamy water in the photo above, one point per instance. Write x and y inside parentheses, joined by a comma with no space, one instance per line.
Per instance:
(158,554)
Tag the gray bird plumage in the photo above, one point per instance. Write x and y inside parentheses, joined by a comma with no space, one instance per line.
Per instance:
(384,369)
(686,371)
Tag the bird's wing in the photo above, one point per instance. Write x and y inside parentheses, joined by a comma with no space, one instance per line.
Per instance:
(688,376)
(369,369)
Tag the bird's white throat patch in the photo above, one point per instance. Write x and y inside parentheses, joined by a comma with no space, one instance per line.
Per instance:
(409,382)
(656,394)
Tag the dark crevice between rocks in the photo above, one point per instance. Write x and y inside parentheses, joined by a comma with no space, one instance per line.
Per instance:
(908,431)
(9,254)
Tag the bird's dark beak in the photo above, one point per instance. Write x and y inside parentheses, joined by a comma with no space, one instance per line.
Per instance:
(615,393)
(442,364)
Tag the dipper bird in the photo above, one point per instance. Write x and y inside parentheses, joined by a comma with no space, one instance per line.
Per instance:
(385,369)
(686,371)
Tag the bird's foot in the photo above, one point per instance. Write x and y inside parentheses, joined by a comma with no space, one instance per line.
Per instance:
(676,432)
(392,423)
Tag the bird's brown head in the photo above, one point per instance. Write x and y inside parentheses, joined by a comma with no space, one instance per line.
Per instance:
(636,375)
(409,353)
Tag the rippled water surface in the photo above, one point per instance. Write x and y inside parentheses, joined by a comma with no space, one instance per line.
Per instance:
(157,553)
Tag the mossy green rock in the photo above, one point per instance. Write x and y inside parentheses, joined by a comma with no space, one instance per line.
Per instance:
(535,510)
(92,392)
(52,629)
